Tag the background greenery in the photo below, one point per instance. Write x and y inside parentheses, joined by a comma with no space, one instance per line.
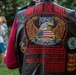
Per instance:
(5,71)
(9,7)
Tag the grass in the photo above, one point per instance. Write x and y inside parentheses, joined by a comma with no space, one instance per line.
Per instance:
(5,71)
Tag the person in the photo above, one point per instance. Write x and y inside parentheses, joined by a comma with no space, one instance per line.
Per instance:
(43,41)
(2,34)
(6,31)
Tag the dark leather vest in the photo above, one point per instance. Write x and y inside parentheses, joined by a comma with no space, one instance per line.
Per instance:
(46,40)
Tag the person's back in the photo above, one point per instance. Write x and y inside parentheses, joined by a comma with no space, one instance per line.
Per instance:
(45,40)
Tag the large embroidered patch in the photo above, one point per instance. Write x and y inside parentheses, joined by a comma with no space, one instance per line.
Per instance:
(45,30)
(45,33)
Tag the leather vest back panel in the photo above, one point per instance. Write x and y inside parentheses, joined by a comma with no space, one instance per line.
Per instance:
(50,40)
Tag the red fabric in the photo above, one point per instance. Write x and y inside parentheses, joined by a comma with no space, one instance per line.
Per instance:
(10,55)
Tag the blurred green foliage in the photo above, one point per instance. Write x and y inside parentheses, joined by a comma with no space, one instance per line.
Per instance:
(5,71)
(68,3)
(9,7)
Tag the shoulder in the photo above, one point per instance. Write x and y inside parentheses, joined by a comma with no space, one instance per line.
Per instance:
(22,8)
(69,12)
